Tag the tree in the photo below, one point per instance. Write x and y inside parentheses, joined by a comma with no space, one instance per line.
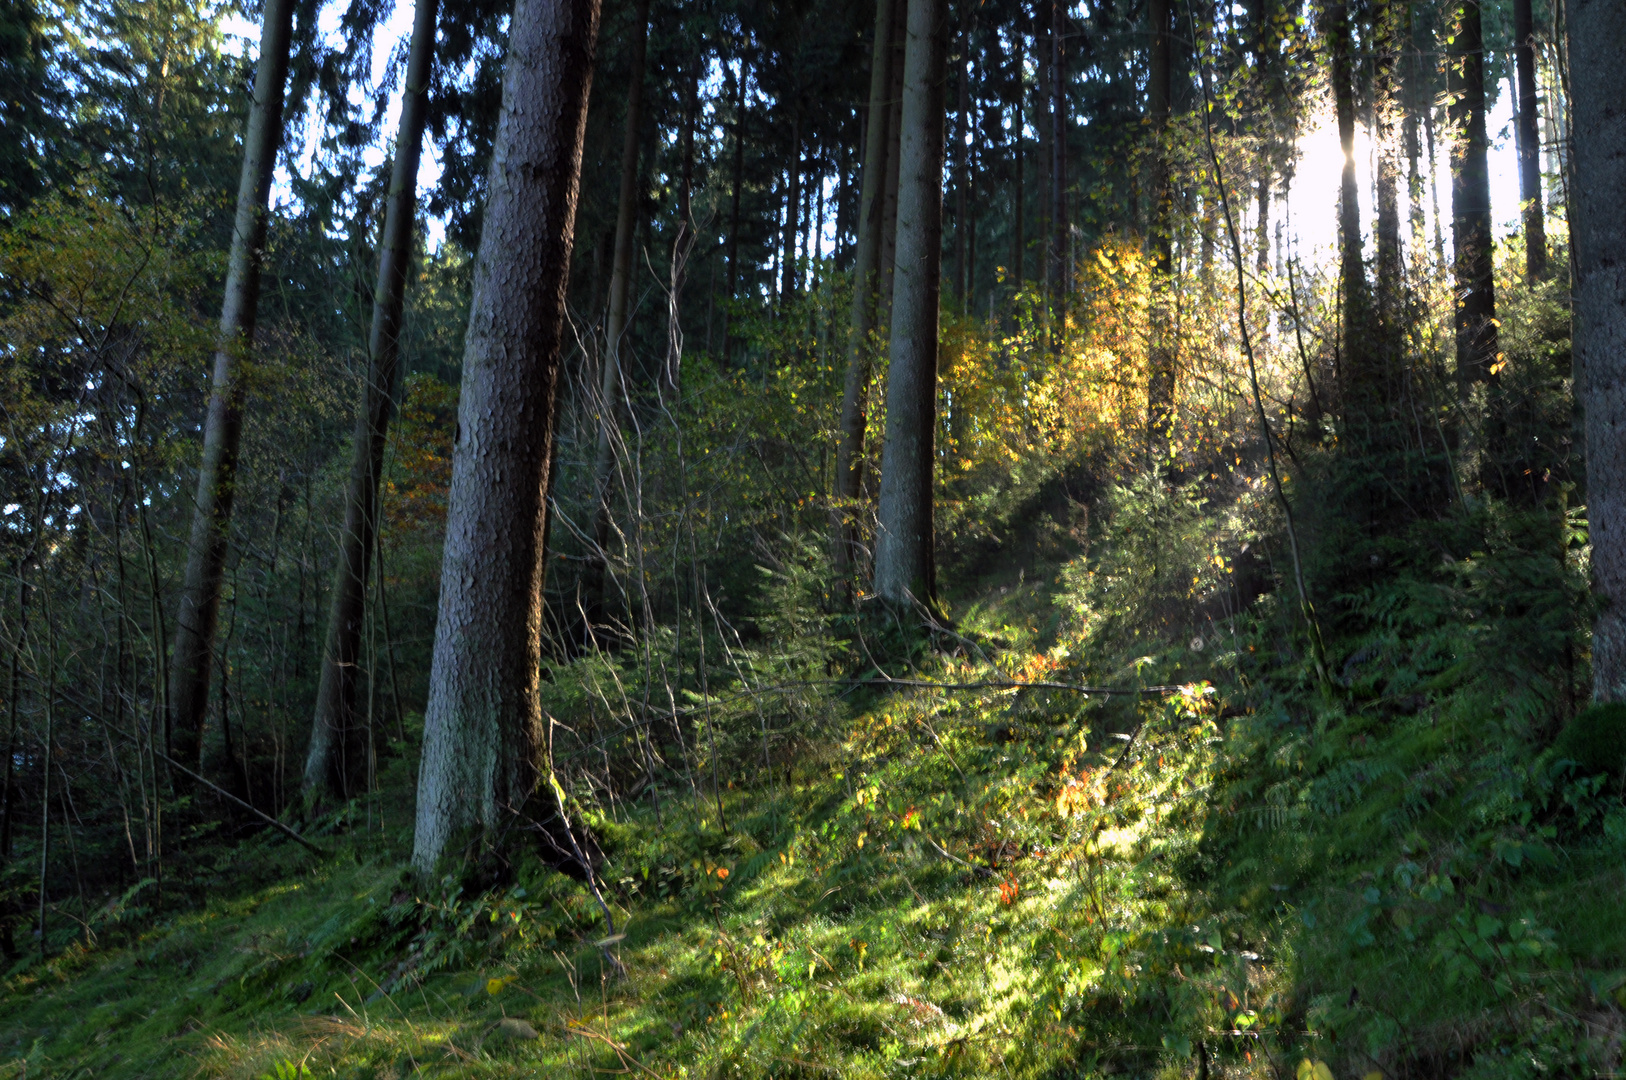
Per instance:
(1527,124)
(195,621)
(1470,201)
(866,293)
(615,326)
(1161,360)
(327,761)
(903,546)
(482,724)
(1597,41)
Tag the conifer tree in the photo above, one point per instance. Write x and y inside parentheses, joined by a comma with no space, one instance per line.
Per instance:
(482,724)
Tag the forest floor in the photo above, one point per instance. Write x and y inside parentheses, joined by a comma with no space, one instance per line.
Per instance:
(1243,878)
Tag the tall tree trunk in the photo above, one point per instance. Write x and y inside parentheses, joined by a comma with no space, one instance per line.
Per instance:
(482,725)
(615,329)
(328,764)
(1361,396)
(889,193)
(1528,125)
(866,298)
(733,282)
(1597,41)
(961,140)
(682,241)
(1386,105)
(1018,192)
(903,549)
(1040,21)
(199,612)
(1161,361)
(1058,268)
(1470,202)
(790,278)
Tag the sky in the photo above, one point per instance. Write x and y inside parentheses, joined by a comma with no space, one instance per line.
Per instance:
(1312,213)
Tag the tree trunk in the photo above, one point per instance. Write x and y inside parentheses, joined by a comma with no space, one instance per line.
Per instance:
(790,278)
(903,549)
(1528,126)
(682,242)
(1058,269)
(734,214)
(889,192)
(482,724)
(1470,202)
(1360,391)
(1385,106)
(961,202)
(328,763)
(199,612)
(855,394)
(1597,41)
(1161,358)
(615,328)
(1018,270)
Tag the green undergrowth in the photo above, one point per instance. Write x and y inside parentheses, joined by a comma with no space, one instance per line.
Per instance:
(1400,874)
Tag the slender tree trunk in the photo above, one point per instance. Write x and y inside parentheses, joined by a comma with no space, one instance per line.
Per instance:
(1597,153)
(482,725)
(1529,141)
(866,299)
(1058,269)
(1018,196)
(961,138)
(1470,202)
(1386,104)
(199,611)
(1042,93)
(682,242)
(790,278)
(336,695)
(733,281)
(615,328)
(903,550)
(1161,361)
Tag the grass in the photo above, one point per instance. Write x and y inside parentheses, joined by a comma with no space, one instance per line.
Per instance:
(983,883)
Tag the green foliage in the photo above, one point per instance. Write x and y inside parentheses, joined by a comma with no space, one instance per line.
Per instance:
(1595,740)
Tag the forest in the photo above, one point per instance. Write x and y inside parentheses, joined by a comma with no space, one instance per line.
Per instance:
(807,538)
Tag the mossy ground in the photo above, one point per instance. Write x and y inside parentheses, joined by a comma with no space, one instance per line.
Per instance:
(982,882)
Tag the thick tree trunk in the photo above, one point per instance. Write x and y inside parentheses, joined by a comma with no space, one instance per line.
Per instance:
(1359,375)
(889,191)
(1161,360)
(482,726)
(1597,41)
(329,763)
(1529,141)
(1470,202)
(682,243)
(199,612)
(903,548)
(866,293)
(615,329)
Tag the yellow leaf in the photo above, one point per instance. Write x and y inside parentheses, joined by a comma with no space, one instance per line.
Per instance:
(495,986)
(1373,1075)
(1321,1071)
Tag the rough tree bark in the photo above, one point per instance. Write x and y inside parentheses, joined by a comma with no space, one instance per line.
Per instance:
(1597,41)
(866,293)
(961,131)
(1470,202)
(903,547)
(889,190)
(1161,353)
(615,329)
(199,612)
(328,766)
(1058,268)
(1529,141)
(482,725)
(790,277)
(732,283)
(1360,389)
